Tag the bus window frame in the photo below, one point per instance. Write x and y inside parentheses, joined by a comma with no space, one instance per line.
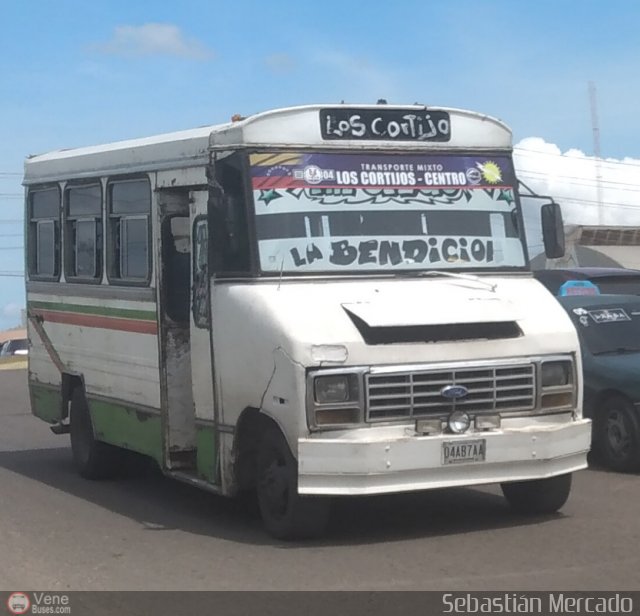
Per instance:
(217,219)
(33,254)
(113,255)
(99,224)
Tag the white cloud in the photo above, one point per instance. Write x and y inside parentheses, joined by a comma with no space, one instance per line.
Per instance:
(572,179)
(154,39)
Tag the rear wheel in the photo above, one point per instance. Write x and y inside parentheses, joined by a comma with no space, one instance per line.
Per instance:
(539,495)
(285,514)
(617,434)
(92,458)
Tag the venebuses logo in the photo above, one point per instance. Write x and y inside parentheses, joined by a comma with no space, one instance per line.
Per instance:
(18,603)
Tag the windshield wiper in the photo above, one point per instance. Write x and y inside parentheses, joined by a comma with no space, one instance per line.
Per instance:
(470,277)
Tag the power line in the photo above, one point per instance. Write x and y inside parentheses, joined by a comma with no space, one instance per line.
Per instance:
(589,202)
(586,159)
(536,177)
(581,181)
(594,203)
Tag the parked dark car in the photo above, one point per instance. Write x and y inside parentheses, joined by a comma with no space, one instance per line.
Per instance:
(609,331)
(608,279)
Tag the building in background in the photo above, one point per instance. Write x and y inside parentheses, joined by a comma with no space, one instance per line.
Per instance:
(596,246)
(16,333)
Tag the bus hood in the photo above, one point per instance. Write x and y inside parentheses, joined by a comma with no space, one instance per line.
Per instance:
(456,306)
(392,321)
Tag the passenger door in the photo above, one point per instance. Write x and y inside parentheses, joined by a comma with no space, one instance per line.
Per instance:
(178,416)
(201,342)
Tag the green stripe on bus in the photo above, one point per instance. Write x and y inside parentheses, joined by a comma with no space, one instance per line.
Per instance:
(46,402)
(206,453)
(123,313)
(127,427)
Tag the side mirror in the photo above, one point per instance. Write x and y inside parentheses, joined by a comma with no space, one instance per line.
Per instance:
(552,230)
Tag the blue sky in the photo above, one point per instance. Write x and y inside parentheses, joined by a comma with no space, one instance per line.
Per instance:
(77,73)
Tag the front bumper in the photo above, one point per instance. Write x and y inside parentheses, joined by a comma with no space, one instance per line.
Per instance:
(381,460)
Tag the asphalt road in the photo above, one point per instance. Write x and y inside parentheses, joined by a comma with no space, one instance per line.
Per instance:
(146,532)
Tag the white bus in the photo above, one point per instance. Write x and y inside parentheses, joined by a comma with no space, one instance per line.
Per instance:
(310,302)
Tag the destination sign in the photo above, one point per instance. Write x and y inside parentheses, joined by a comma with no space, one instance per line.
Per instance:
(385,125)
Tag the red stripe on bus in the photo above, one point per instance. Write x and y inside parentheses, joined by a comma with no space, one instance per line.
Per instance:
(264,183)
(92,320)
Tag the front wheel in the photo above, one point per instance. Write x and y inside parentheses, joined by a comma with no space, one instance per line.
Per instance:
(617,434)
(538,496)
(286,514)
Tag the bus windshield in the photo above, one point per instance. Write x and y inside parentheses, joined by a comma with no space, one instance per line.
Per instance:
(352,212)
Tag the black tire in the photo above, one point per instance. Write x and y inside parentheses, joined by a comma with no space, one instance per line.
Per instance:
(92,458)
(617,434)
(538,496)
(285,514)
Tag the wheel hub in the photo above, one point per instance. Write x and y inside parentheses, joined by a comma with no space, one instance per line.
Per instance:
(617,434)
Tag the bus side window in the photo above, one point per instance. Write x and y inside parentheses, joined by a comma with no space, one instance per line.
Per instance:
(44,233)
(83,233)
(129,256)
(231,219)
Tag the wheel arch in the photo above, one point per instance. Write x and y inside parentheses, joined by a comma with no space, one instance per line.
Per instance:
(68,384)
(251,425)
(605,395)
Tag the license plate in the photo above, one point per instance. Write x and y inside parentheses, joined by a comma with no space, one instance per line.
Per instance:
(455,452)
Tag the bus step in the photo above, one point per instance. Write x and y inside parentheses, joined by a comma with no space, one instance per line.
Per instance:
(183,458)
(60,428)
(192,479)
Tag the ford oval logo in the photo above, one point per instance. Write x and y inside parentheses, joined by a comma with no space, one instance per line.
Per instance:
(453,392)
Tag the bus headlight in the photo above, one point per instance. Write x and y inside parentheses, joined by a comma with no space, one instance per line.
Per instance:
(332,388)
(557,384)
(334,399)
(556,373)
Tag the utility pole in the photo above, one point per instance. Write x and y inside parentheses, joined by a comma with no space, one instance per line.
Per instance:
(596,149)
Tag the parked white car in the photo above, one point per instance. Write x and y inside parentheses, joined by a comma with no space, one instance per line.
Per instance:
(18,346)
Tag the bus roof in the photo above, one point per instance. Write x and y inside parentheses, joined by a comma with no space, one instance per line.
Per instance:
(289,127)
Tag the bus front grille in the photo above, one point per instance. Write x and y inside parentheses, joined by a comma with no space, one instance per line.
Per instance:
(405,395)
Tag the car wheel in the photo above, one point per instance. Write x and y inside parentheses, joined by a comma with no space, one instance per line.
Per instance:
(617,434)
(285,514)
(538,496)
(93,459)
